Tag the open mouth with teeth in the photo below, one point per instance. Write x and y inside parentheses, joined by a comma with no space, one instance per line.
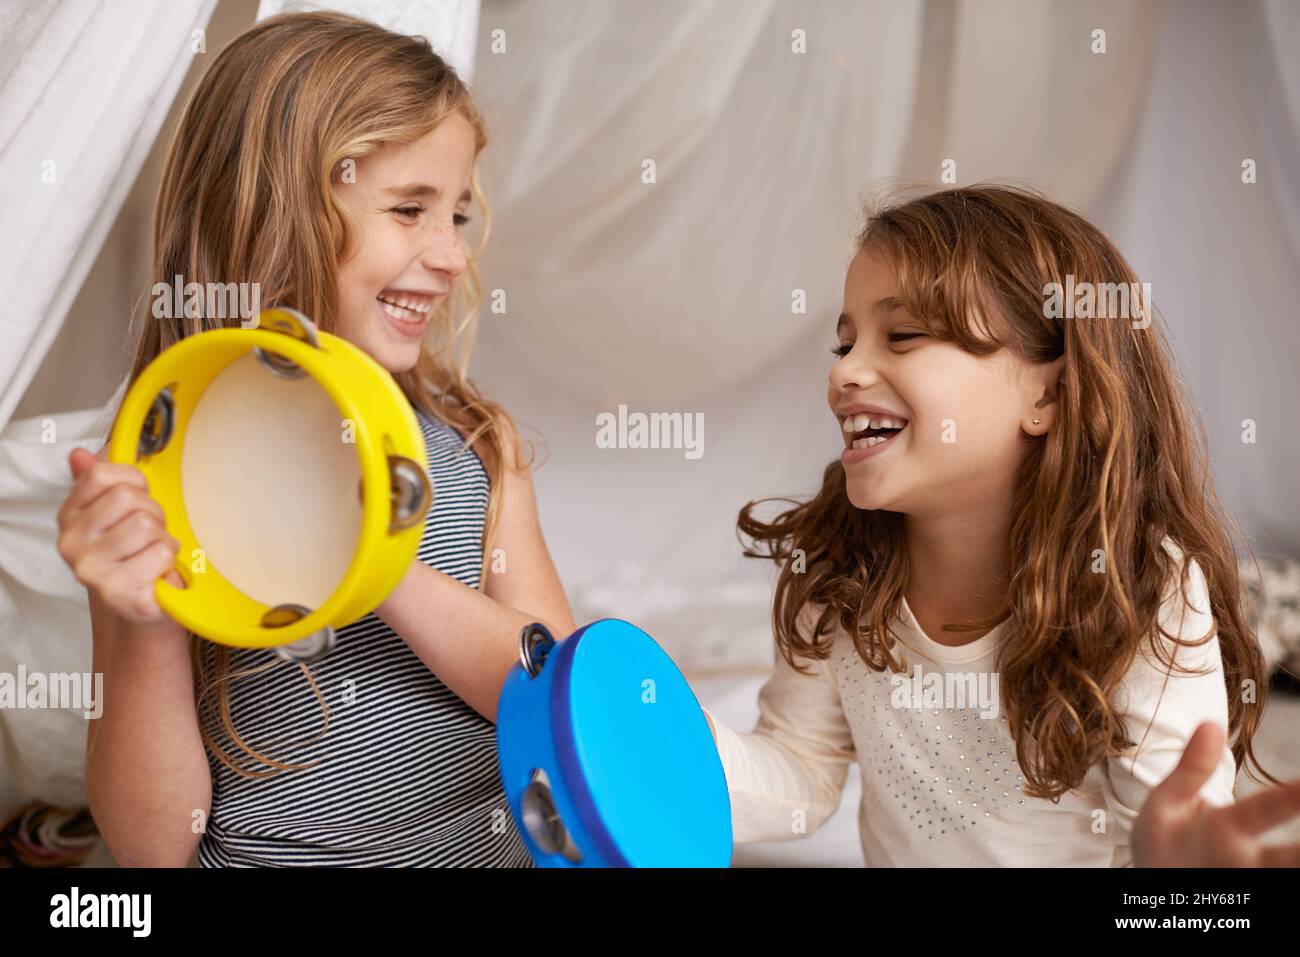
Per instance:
(864,431)
(405,307)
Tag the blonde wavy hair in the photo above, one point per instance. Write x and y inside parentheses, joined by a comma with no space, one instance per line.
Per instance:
(246,196)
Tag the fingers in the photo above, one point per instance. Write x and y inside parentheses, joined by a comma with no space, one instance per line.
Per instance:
(117,505)
(79,460)
(1270,807)
(94,480)
(133,534)
(132,537)
(1200,758)
(139,573)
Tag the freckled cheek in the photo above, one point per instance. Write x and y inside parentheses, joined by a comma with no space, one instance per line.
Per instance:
(386,253)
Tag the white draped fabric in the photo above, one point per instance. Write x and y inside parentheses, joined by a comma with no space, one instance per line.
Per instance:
(86,86)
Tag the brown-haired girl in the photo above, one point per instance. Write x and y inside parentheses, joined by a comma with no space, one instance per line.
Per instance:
(1015,595)
(332,162)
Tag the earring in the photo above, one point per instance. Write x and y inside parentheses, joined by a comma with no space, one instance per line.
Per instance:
(1036,421)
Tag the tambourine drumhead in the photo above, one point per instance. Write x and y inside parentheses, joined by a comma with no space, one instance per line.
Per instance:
(270,480)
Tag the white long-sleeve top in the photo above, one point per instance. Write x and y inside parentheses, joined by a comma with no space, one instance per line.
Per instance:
(940,783)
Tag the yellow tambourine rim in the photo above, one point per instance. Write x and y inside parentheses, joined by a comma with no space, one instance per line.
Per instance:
(386,431)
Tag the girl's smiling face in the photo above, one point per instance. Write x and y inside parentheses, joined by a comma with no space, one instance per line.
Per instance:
(963,417)
(407,206)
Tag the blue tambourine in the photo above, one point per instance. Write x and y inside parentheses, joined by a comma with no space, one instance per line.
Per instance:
(606,757)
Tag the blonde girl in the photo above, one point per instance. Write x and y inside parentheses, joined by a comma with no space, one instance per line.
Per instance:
(1014,599)
(332,162)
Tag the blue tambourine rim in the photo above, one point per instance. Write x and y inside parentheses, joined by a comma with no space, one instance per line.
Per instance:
(566,753)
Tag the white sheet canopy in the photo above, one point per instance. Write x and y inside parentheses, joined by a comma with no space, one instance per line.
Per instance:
(115,68)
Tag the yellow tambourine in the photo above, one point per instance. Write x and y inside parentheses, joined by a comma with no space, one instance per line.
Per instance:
(292,471)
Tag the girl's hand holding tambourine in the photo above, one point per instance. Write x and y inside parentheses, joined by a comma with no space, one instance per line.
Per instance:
(113,535)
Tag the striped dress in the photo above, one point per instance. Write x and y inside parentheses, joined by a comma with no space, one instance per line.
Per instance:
(407,772)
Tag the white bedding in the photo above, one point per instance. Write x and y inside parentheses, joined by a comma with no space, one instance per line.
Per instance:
(44,615)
